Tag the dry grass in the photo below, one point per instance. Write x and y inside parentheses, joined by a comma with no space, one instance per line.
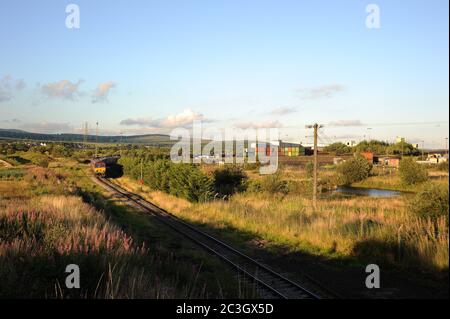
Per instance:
(40,234)
(379,230)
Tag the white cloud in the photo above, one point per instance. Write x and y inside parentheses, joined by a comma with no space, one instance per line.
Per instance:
(323,91)
(63,89)
(20,85)
(183,119)
(346,123)
(266,124)
(8,86)
(47,127)
(15,121)
(138,121)
(101,93)
(282,110)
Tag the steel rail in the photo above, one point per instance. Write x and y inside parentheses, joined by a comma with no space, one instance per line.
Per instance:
(175,222)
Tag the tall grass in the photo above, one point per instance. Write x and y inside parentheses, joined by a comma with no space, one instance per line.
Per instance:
(380,230)
(43,229)
(41,237)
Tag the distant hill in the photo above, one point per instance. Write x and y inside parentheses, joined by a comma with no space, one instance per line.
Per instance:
(151,139)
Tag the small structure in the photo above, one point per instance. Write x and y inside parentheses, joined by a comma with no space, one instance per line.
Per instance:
(393,161)
(351,143)
(291,149)
(284,149)
(368,156)
(436,158)
(338,160)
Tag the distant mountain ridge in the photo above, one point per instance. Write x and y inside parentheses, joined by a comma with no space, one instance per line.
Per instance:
(156,139)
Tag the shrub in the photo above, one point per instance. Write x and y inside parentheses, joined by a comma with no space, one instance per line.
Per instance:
(431,201)
(443,166)
(43,163)
(309,169)
(274,184)
(338,148)
(182,180)
(354,170)
(229,180)
(189,182)
(254,186)
(412,172)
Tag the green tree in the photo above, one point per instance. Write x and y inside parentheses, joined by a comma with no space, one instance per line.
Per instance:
(338,148)
(229,180)
(402,148)
(431,201)
(354,170)
(412,172)
(309,169)
(274,183)
(377,147)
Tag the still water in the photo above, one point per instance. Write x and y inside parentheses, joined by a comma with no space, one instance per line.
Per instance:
(372,192)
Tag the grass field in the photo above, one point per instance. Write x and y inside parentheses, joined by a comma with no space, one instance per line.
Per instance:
(46,223)
(378,230)
(54,216)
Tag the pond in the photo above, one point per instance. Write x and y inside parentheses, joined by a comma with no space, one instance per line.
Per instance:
(359,191)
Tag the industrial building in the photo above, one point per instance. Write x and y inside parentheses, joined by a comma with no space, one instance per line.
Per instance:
(284,149)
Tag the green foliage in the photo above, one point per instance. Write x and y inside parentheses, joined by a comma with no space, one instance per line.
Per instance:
(274,184)
(43,162)
(443,166)
(229,180)
(189,182)
(354,170)
(309,169)
(254,186)
(11,173)
(402,148)
(412,172)
(377,147)
(338,148)
(380,147)
(182,180)
(431,201)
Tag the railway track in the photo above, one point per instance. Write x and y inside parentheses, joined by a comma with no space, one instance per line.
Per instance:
(269,283)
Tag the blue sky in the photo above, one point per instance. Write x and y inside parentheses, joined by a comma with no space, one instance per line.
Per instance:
(148,66)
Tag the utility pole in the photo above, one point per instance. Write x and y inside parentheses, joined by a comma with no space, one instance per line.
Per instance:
(316,128)
(96,138)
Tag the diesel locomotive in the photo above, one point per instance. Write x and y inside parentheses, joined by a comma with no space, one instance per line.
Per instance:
(103,165)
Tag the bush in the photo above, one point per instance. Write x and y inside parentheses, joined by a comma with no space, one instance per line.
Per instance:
(274,184)
(229,180)
(43,163)
(338,148)
(309,169)
(431,201)
(412,172)
(354,170)
(189,182)
(182,180)
(254,186)
(443,166)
